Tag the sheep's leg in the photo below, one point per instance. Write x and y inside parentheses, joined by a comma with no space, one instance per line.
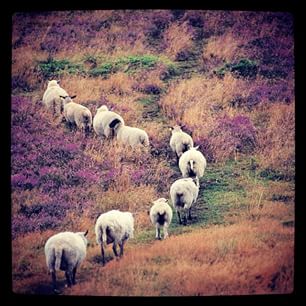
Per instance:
(189,214)
(115,250)
(53,275)
(102,254)
(179,217)
(68,278)
(185,218)
(121,244)
(157,233)
(166,230)
(73,275)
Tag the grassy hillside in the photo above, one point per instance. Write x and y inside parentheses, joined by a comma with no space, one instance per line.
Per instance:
(228,76)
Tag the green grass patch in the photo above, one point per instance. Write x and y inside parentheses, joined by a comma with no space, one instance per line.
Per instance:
(244,68)
(52,68)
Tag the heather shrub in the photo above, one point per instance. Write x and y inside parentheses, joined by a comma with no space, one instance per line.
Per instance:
(232,135)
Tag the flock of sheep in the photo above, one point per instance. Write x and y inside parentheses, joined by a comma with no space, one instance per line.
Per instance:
(65,251)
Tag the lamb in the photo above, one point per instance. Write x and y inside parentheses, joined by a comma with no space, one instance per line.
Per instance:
(51,97)
(76,114)
(114,227)
(65,251)
(184,192)
(161,216)
(130,135)
(102,121)
(180,141)
(192,163)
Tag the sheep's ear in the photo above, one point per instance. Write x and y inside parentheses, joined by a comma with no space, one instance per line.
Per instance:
(72,97)
(86,233)
(58,81)
(196,148)
(62,97)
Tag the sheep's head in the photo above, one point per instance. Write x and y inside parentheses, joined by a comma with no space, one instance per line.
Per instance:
(53,83)
(83,236)
(160,200)
(67,99)
(102,108)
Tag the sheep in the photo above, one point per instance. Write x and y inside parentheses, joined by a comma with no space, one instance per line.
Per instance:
(65,251)
(161,216)
(184,192)
(130,135)
(51,97)
(180,141)
(114,227)
(76,114)
(102,121)
(192,163)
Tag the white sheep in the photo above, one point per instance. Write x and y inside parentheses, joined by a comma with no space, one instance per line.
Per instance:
(65,251)
(161,216)
(180,141)
(102,121)
(114,227)
(192,163)
(130,135)
(76,114)
(184,192)
(52,99)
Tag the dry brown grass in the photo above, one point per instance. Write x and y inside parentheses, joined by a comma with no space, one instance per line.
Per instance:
(193,265)
(224,48)
(276,142)
(178,37)
(198,101)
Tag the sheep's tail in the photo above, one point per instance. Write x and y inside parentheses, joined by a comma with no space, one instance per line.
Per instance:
(115,123)
(58,258)
(191,164)
(179,201)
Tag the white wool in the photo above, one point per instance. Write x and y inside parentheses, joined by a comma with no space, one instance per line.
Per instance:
(102,120)
(65,247)
(180,141)
(51,97)
(77,114)
(132,136)
(161,208)
(192,160)
(114,227)
(183,193)
(120,225)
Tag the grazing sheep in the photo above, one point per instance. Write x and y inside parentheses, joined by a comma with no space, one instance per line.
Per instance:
(161,216)
(102,121)
(65,251)
(130,135)
(52,99)
(180,141)
(192,163)
(114,227)
(77,114)
(184,192)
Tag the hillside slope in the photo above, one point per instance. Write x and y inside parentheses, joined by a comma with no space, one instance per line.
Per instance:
(228,77)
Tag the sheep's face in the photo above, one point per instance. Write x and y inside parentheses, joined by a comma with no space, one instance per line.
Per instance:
(176,129)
